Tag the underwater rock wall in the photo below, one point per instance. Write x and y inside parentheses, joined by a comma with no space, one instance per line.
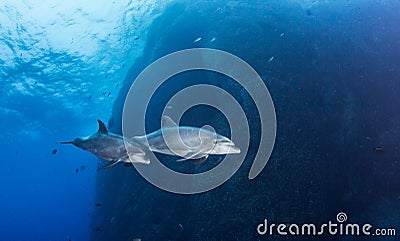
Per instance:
(322,70)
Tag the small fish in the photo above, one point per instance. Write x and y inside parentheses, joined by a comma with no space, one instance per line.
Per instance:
(82,168)
(97,229)
(54,151)
(282,34)
(116,86)
(89,97)
(105,77)
(136,38)
(99,204)
(181,226)
(76,170)
(213,39)
(123,66)
(270,59)
(16,153)
(137,239)
(108,94)
(197,40)
(378,149)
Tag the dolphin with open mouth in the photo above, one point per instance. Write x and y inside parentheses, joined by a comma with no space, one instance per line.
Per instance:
(111,147)
(189,143)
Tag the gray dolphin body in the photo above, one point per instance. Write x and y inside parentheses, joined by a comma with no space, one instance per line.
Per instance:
(111,147)
(187,142)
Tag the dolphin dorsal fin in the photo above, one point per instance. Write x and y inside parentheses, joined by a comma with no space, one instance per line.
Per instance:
(166,121)
(102,128)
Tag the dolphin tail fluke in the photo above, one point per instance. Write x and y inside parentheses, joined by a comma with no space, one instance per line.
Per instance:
(66,142)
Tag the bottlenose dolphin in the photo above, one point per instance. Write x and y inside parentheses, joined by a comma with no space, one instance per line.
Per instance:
(111,147)
(186,142)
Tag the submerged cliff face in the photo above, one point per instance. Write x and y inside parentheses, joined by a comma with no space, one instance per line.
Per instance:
(322,76)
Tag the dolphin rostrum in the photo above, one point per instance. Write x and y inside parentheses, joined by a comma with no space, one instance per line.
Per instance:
(186,142)
(111,147)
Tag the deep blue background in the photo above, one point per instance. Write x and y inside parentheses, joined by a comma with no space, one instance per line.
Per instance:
(334,80)
(43,198)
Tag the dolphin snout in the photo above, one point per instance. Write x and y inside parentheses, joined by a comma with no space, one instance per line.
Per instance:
(76,142)
(224,145)
(233,149)
(66,142)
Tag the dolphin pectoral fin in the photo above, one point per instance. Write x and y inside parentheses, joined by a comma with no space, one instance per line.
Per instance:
(135,153)
(112,163)
(182,159)
(139,158)
(200,160)
(143,159)
(191,157)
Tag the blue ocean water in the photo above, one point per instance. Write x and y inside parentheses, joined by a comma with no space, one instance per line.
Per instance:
(332,68)
(62,64)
